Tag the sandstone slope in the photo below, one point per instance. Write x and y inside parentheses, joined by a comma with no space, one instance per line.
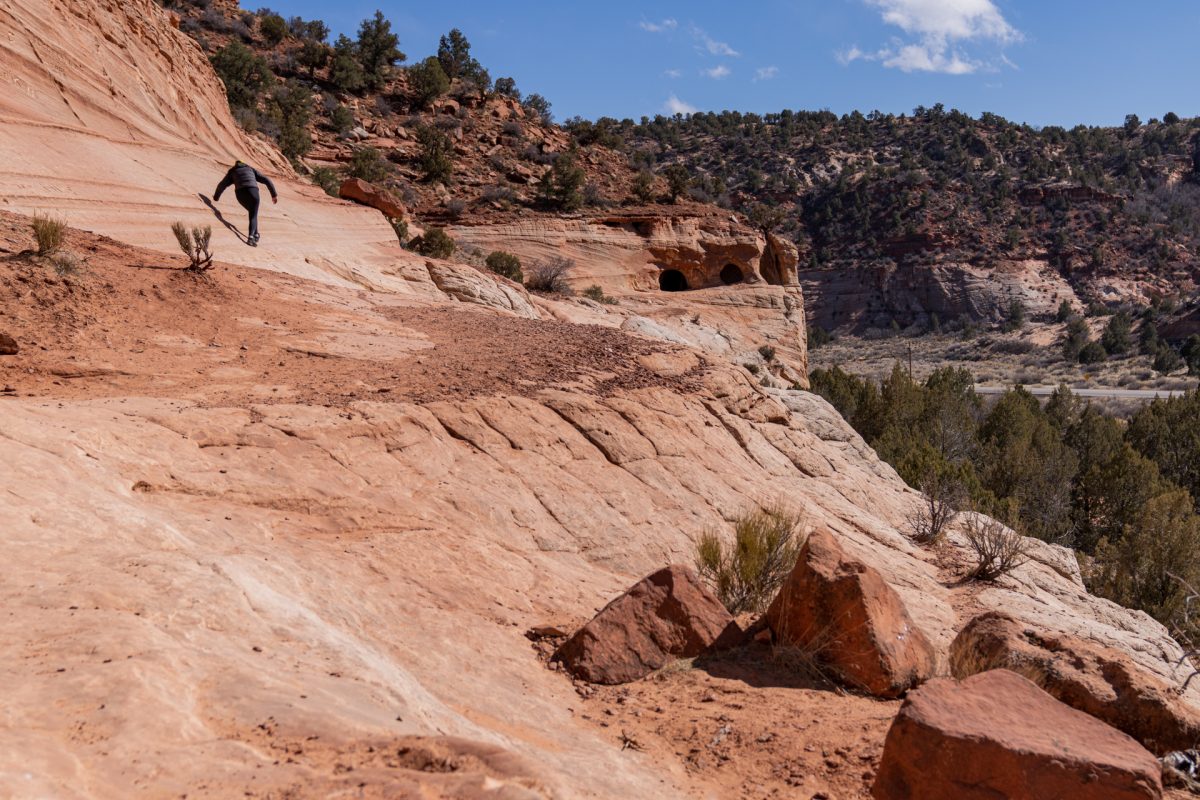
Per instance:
(114,120)
(343,530)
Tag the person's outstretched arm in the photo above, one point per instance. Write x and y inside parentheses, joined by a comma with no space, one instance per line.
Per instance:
(263,179)
(225,183)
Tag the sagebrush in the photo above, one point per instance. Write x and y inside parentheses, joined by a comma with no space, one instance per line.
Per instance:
(549,276)
(997,549)
(195,245)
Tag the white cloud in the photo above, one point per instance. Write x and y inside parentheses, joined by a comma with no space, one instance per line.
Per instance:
(673,73)
(676,106)
(659,27)
(711,45)
(940,28)
(765,73)
(717,72)
(948,20)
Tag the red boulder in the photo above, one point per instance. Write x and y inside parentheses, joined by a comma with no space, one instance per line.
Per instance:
(1096,680)
(845,612)
(997,735)
(360,191)
(663,617)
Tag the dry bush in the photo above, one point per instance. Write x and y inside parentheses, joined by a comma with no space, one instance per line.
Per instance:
(194,244)
(49,232)
(549,276)
(747,572)
(997,549)
(939,507)
(65,263)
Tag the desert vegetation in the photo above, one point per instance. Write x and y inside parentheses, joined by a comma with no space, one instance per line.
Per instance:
(1064,472)
(195,244)
(747,571)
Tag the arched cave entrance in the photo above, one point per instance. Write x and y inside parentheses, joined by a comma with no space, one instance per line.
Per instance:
(672,280)
(732,274)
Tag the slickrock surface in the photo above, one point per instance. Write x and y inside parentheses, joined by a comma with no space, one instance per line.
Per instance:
(344,528)
(113,119)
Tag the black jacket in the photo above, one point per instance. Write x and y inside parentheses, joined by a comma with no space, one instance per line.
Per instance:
(243,176)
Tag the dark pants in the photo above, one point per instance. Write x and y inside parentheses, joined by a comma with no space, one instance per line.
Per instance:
(249,198)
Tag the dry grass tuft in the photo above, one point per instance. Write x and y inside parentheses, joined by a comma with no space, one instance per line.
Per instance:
(49,233)
(747,572)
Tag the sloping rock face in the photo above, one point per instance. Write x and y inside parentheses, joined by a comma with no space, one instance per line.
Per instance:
(360,191)
(115,120)
(996,735)
(846,612)
(1096,680)
(663,617)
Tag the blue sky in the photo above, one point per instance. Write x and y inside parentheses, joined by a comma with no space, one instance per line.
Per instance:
(1045,62)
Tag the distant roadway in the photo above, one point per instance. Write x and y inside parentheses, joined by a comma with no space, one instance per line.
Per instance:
(1099,392)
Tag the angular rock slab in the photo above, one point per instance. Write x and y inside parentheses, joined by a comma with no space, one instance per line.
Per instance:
(1088,677)
(663,617)
(997,735)
(368,194)
(845,610)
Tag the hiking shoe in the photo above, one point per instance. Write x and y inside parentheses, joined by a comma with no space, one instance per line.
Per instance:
(254,240)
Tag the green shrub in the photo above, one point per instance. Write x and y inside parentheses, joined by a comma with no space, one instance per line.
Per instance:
(273,28)
(377,50)
(1092,353)
(49,233)
(436,154)
(342,120)
(427,81)
(345,71)
(400,226)
(643,186)
(767,352)
(1166,360)
(367,164)
(818,337)
(678,180)
(505,264)
(1116,337)
(436,243)
(244,73)
(747,572)
(328,180)
(561,186)
(594,292)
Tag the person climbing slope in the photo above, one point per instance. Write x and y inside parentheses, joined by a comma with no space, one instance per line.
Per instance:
(245,179)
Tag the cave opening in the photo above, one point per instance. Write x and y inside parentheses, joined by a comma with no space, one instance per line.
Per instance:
(732,274)
(672,280)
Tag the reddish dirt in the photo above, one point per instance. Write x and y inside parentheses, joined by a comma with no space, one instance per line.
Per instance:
(746,725)
(132,322)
